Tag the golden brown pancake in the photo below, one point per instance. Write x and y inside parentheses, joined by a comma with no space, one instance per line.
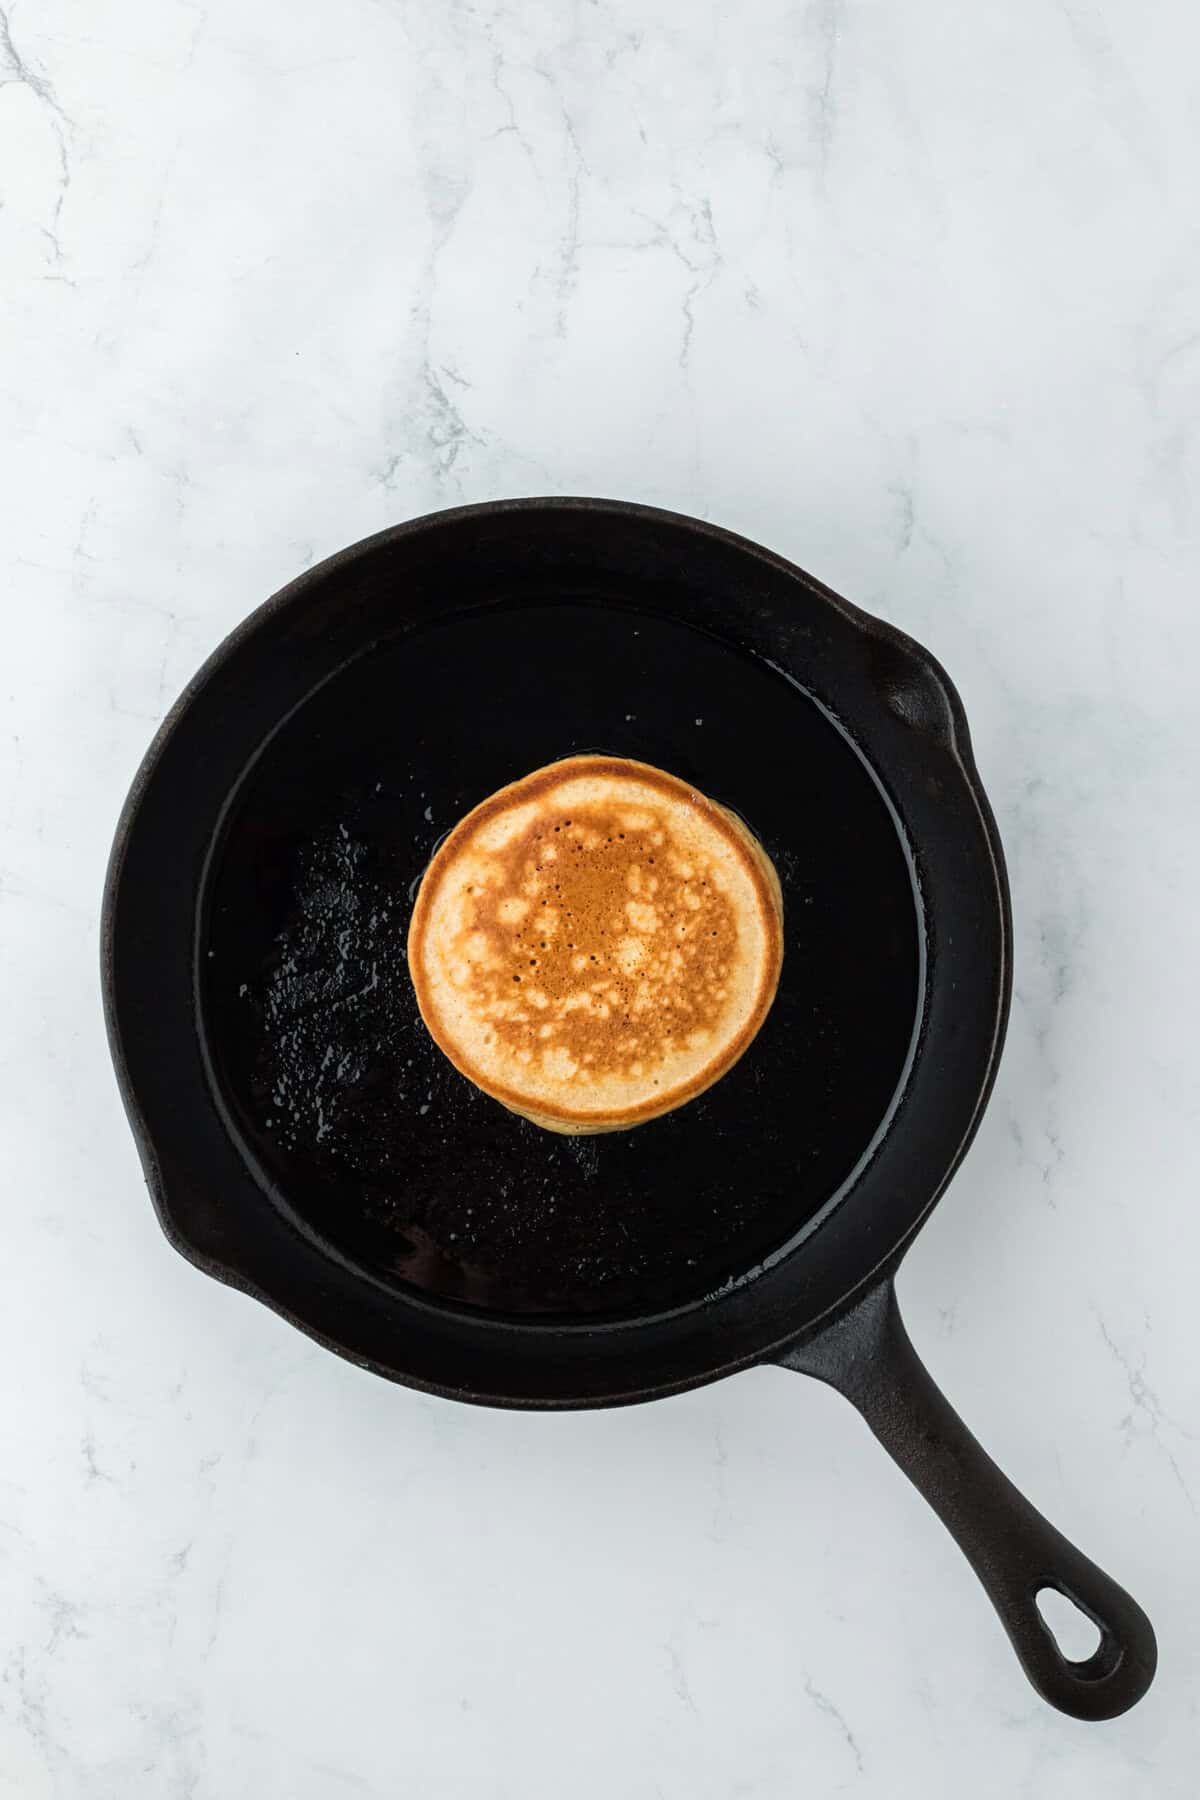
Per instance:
(596,944)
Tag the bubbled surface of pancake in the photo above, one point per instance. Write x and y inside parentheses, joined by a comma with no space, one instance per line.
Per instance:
(596,943)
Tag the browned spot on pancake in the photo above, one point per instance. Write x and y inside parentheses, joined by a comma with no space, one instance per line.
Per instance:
(598,940)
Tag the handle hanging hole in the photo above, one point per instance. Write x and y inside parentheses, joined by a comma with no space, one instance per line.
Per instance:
(1077,1636)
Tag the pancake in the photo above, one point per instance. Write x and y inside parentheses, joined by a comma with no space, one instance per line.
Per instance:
(596,944)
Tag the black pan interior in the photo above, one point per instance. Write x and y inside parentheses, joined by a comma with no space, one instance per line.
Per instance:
(368,1137)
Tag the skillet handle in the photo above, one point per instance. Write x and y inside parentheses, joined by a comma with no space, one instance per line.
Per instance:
(867,1356)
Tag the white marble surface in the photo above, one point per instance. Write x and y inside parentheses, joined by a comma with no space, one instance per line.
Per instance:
(912,293)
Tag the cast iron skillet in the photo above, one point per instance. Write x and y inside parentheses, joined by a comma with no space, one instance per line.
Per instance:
(304,1141)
